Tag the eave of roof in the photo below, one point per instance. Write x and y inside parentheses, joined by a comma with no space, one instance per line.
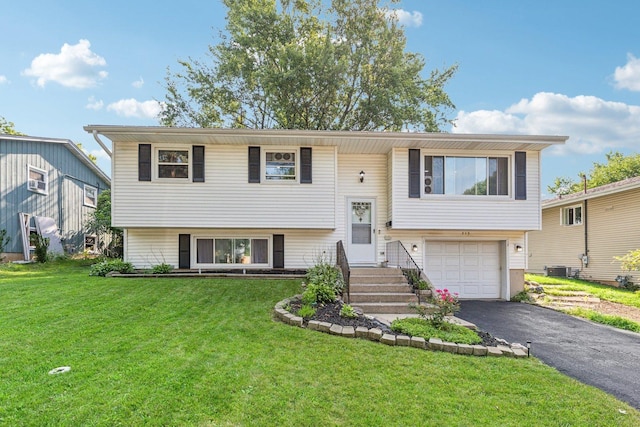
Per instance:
(591,193)
(70,145)
(347,141)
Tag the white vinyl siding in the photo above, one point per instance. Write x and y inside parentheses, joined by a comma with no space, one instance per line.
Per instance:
(464,212)
(225,199)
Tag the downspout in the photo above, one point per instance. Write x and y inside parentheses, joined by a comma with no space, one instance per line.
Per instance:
(585,224)
(99,141)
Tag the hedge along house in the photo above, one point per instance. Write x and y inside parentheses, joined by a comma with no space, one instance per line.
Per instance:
(47,186)
(583,232)
(277,199)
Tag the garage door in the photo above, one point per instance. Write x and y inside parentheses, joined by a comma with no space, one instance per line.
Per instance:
(470,268)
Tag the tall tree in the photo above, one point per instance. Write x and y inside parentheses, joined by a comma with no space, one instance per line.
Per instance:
(617,167)
(8,128)
(309,64)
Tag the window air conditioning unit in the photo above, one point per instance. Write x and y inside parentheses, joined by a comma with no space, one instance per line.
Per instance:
(33,184)
(428,181)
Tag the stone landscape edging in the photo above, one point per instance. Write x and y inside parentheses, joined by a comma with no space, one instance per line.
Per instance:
(517,351)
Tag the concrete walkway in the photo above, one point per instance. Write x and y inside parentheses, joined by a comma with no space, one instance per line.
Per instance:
(594,354)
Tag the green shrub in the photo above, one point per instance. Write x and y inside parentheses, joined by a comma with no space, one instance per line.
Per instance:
(348,312)
(42,247)
(522,296)
(104,267)
(325,273)
(163,268)
(419,327)
(306,311)
(318,294)
(4,241)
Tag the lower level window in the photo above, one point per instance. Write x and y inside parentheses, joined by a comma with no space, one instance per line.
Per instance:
(572,215)
(232,251)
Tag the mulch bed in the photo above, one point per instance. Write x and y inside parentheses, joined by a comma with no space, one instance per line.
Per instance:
(330,313)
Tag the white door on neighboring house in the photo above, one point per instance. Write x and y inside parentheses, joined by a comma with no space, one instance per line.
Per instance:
(361,233)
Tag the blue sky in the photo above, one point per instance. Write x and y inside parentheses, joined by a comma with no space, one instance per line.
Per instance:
(546,67)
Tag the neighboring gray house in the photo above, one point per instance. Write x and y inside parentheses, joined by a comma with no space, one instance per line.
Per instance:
(47,186)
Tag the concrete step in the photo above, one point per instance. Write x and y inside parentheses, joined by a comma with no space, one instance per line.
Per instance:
(379,287)
(399,297)
(377,279)
(376,271)
(385,307)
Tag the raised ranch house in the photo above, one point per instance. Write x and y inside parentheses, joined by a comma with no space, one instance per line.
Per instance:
(279,199)
(582,232)
(48,186)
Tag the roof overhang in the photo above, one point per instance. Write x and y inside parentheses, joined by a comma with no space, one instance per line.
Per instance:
(70,145)
(348,142)
(592,193)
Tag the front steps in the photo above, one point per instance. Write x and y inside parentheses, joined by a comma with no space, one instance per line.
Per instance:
(381,291)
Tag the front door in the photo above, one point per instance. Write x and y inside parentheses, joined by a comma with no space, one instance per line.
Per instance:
(361,233)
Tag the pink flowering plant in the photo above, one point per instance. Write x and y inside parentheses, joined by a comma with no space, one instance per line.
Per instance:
(445,304)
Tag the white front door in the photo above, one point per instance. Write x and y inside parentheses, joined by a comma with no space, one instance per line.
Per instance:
(361,233)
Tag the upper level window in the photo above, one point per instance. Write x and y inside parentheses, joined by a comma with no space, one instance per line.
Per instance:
(572,215)
(38,180)
(280,166)
(173,163)
(90,196)
(464,176)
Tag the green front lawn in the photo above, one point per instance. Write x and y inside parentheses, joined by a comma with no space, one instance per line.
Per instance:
(206,352)
(562,286)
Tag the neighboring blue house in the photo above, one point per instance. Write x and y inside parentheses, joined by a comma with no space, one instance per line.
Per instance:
(47,186)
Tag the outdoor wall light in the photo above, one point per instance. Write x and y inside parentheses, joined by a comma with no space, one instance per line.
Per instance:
(414,248)
(361,176)
(518,248)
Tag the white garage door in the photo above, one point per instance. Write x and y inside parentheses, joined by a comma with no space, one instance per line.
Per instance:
(470,268)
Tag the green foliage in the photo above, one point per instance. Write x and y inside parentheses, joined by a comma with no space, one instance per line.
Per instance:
(419,327)
(347,311)
(307,64)
(617,168)
(306,311)
(630,261)
(163,268)
(4,241)
(99,222)
(605,319)
(108,265)
(41,247)
(318,294)
(522,296)
(443,303)
(7,127)
(324,272)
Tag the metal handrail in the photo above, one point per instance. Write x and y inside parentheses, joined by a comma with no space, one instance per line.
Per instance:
(343,264)
(398,256)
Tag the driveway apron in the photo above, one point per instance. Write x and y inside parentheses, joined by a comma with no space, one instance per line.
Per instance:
(594,354)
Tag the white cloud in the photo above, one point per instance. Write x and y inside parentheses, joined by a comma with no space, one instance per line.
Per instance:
(134,108)
(75,66)
(592,124)
(138,83)
(628,77)
(3,79)
(93,104)
(406,18)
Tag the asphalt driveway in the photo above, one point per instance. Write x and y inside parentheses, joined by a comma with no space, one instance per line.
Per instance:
(594,354)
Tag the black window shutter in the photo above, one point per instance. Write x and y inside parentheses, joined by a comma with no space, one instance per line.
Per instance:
(414,173)
(254,164)
(278,251)
(184,251)
(198,163)
(521,175)
(305,165)
(144,162)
